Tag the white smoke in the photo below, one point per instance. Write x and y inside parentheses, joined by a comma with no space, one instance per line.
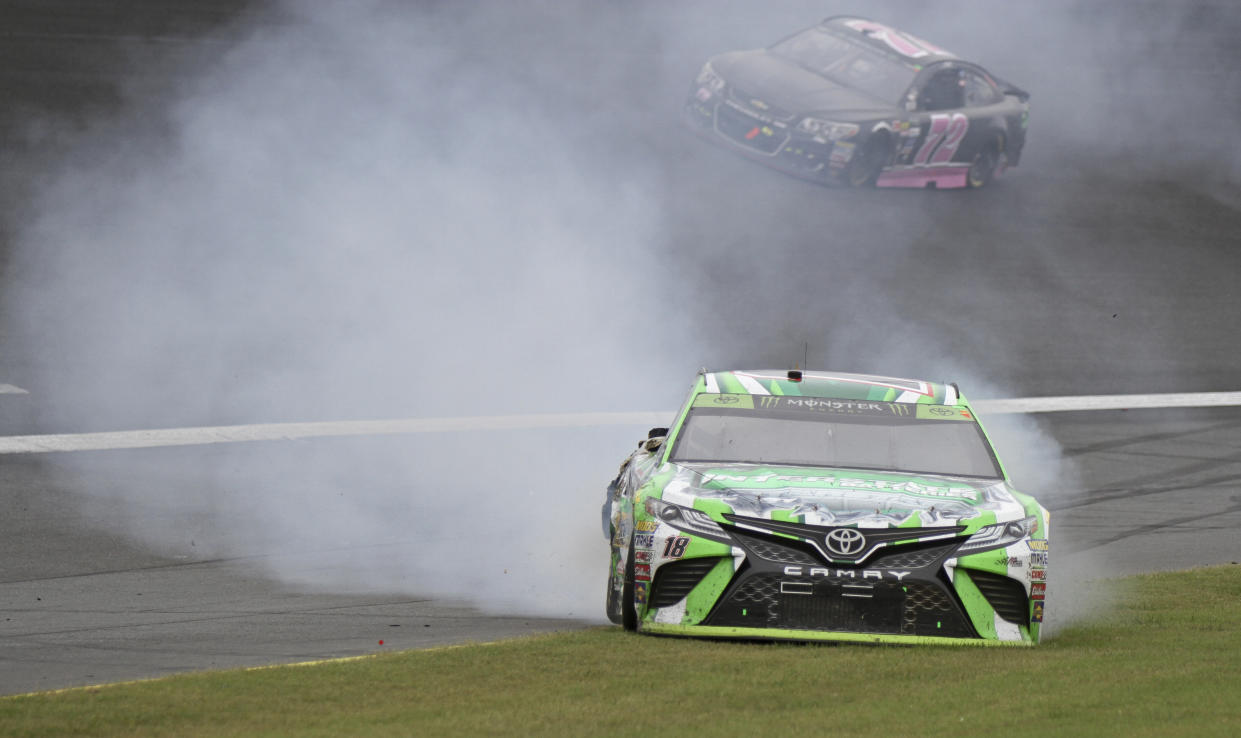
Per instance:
(374,209)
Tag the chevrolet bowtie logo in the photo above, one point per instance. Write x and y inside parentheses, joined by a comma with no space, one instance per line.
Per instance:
(759,104)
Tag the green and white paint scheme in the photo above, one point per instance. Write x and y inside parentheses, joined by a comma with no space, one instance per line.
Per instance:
(754,549)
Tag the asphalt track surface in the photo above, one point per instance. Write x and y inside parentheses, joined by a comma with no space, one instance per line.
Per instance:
(1101,265)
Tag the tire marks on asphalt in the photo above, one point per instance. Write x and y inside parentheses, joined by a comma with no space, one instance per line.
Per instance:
(1156,527)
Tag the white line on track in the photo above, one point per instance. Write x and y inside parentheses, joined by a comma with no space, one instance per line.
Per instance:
(8,389)
(1108,402)
(291,431)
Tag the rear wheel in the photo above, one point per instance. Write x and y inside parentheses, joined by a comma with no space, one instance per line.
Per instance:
(629,611)
(868,162)
(982,169)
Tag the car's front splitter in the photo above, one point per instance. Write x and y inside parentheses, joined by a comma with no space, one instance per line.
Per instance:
(707,631)
(800,157)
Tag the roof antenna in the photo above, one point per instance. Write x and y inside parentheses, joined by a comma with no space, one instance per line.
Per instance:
(806,357)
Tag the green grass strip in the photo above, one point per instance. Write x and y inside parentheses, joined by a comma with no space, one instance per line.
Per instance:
(1165,660)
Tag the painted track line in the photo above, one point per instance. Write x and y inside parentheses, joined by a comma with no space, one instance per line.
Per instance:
(8,389)
(1107,402)
(267,667)
(293,431)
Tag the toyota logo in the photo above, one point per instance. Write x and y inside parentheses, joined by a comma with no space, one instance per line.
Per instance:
(845,542)
(726,399)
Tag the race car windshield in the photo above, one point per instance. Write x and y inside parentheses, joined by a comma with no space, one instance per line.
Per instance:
(847,63)
(806,431)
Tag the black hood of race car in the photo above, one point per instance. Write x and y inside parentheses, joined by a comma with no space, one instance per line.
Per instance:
(788,86)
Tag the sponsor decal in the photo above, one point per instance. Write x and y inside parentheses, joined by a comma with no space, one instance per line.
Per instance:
(749,112)
(1038,558)
(1038,544)
(1036,615)
(828,480)
(815,572)
(760,104)
(642,556)
(1038,591)
(642,572)
(941,412)
(1038,574)
(724,400)
(674,548)
(900,42)
(1015,562)
(842,152)
(647,526)
(826,404)
(644,540)
(838,407)
(639,592)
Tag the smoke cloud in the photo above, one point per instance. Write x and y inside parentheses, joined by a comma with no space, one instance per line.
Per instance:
(383,210)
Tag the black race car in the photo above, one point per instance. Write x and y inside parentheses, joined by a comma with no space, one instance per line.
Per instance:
(856,101)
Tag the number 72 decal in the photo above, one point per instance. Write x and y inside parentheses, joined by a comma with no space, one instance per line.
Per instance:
(942,139)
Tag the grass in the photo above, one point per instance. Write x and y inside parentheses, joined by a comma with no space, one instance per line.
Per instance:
(1165,661)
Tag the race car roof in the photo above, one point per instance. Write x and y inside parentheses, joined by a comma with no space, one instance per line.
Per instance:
(909,48)
(837,385)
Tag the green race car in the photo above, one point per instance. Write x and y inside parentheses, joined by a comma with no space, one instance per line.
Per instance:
(822,506)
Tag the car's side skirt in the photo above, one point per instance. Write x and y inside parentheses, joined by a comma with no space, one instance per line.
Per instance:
(947,176)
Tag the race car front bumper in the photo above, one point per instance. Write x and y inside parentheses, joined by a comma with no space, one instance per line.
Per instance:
(774,143)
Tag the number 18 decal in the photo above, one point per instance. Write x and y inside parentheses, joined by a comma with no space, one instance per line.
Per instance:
(946,133)
(674,548)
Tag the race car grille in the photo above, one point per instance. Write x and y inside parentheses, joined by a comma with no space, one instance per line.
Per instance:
(775,549)
(748,130)
(1006,595)
(675,580)
(769,599)
(912,557)
(758,590)
(750,101)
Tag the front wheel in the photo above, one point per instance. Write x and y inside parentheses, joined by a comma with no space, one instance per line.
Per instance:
(629,611)
(868,162)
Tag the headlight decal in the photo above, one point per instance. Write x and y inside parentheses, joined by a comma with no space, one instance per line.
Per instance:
(686,519)
(827,129)
(708,80)
(999,535)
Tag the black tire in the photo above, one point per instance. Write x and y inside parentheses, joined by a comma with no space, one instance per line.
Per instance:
(629,611)
(613,606)
(982,169)
(868,162)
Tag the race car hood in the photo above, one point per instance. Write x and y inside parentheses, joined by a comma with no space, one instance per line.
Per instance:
(785,85)
(839,497)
